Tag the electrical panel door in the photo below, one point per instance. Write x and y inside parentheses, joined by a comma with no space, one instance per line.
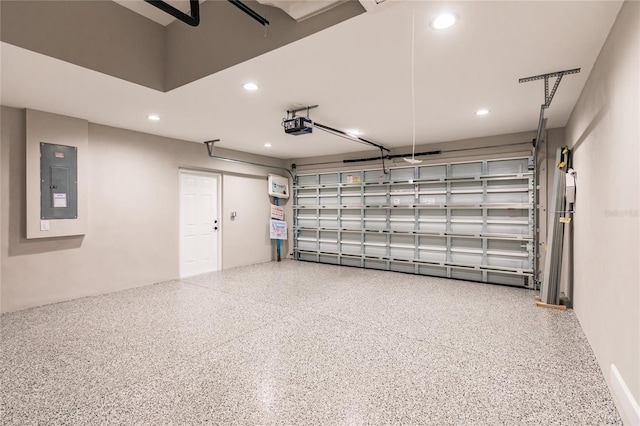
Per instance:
(58,181)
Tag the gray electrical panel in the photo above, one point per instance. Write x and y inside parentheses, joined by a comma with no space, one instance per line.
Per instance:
(58,181)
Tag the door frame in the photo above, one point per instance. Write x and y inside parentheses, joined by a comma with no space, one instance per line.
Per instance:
(218,176)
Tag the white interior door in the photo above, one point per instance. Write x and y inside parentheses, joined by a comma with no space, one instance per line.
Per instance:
(199,224)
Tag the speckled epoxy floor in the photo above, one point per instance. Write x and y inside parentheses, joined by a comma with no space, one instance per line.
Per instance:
(301,343)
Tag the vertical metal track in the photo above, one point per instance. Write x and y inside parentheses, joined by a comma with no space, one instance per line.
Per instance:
(296,226)
(362,220)
(535,214)
(485,214)
(553,261)
(542,124)
(448,226)
(416,220)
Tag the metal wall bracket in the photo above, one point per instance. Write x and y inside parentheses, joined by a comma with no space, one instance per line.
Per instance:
(548,96)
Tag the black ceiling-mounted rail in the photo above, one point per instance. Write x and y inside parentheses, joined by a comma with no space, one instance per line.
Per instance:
(246,9)
(192,19)
(447,151)
(356,139)
(548,97)
(391,157)
(349,136)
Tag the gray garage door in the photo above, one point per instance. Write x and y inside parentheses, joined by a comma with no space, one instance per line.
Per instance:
(467,220)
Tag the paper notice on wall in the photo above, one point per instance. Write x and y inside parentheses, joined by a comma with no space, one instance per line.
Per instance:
(278,230)
(277,212)
(60,200)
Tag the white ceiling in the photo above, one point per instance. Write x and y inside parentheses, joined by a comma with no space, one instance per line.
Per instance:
(358,72)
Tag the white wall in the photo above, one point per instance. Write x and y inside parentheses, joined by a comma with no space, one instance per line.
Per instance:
(604,133)
(246,240)
(132,234)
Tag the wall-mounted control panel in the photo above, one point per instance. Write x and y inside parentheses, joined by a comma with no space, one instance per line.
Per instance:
(58,181)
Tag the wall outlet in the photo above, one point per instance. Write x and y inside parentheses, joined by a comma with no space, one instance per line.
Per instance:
(44,225)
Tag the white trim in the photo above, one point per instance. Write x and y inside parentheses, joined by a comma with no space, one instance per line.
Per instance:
(626,401)
(218,177)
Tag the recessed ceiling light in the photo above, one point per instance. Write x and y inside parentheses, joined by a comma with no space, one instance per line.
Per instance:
(267,145)
(482,111)
(250,86)
(354,132)
(153,117)
(444,21)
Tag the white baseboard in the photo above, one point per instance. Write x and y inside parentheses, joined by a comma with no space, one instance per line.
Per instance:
(626,401)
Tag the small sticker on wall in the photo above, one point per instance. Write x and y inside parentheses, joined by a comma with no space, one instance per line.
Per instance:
(60,200)
(59,154)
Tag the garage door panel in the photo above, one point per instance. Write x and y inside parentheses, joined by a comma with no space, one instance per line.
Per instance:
(510,166)
(466,274)
(507,262)
(467,220)
(402,267)
(432,172)
(465,170)
(402,174)
(432,256)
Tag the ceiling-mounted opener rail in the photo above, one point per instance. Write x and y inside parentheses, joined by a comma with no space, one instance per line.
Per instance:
(303,128)
(246,9)
(356,139)
(210,144)
(193,18)
(548,97)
